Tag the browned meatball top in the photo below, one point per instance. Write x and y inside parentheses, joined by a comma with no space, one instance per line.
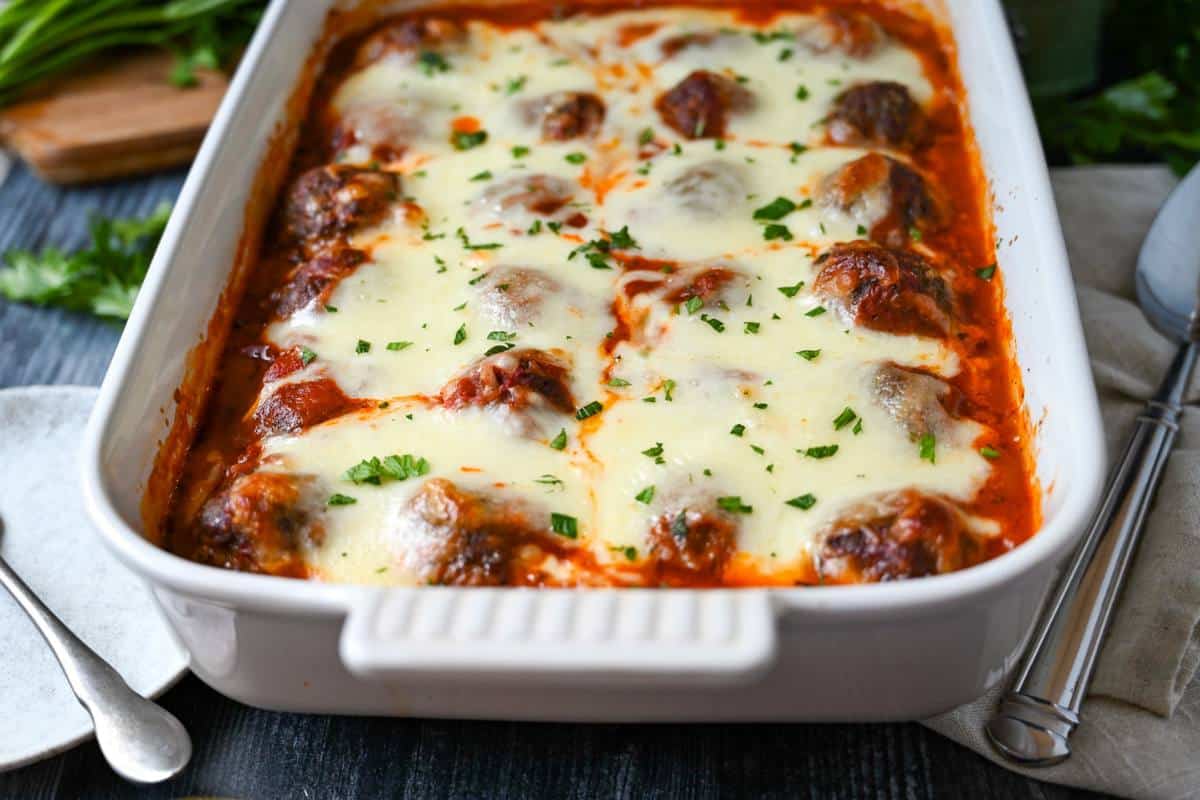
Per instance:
(699,106)
(889,290)
(337,200)
(880,113)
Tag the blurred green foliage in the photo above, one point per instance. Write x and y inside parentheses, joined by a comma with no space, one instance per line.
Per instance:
(1147,107)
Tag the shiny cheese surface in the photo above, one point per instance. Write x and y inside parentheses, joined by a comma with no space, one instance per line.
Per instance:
(732,405)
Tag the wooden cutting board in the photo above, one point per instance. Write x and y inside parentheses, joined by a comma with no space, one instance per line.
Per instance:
(111,118)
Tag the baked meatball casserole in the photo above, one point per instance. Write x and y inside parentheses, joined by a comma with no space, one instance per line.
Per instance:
(677,295)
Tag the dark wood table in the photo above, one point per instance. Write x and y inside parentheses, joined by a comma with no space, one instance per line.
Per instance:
(243,752)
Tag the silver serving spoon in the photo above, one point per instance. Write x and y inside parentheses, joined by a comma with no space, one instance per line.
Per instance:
(1039,712)
(141,741)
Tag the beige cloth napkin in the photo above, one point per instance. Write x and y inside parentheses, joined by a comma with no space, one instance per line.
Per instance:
(1140,734)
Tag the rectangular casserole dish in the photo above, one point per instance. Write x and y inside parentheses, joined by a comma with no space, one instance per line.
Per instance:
(892,651)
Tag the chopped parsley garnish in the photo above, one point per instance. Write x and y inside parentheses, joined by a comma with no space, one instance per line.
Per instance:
(845,418)
(515,85)
(645,495)
(499,348)
(629,552)
(752,327)
(785,54)
(656,453)
(738,430)
(467,244)
(394,346)
(808,355)
(987,272)
(777,209)
(307,356)
(432,63)
(397,468)
(464,140)
(363,346)
(618,383)
(824,451)
(331,309)
(758,449)
(477,279)
(734,504)
(775,231)
(791,291)
(693,304)
(914,233)
(535,228)
(622,240)
(560,441)
(551,481)
(341,500)
(861,230)
(646,136)
(679,526)
(564,525)
(460,335)
(766,37)
(987,451)
(804,502)
(815,311)
(486,175)
(501,336)
(520,151)
(760,406)
(797,150)
(926,446)
(590,410)
(857,429)
(575,158)
(713,323)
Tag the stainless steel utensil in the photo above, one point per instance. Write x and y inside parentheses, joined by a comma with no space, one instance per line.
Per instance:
(1036,717)
(141,741)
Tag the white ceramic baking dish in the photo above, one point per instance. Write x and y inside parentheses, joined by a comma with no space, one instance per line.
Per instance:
(901,650)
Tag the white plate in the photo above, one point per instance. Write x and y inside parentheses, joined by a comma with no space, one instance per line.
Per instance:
(50,543)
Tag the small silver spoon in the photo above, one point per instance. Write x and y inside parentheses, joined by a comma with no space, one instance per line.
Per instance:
(142,742)
(1038,714)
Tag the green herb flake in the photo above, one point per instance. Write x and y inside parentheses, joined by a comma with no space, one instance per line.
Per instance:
(464,140)
(738,430)
(432,63)
(559,442)
(775,210)
(646,136)
(397,346)
(791,291)
(363,346)
(307,356)
(734,505)
(486,175)
(802,92)
(823,451)
(808,355)
(987,272)
(751,327)
(460,335)
(590,410)
(564,525)
(693,304)
(774,231)
(514,85)
(713,323)
(815,312)
(341,500)
(520,151)
(645,495)
(845,418)
(804,502)
(468,245)
(926,447)
(987,451)
(575,158)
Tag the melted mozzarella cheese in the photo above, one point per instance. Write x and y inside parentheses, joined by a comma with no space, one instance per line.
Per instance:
(426,288)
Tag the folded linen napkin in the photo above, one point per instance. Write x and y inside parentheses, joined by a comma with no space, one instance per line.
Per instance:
(1140,734)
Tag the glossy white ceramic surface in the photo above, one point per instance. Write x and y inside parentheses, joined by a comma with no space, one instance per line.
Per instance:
(896,651)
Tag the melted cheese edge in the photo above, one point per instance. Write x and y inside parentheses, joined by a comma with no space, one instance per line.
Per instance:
(422,285)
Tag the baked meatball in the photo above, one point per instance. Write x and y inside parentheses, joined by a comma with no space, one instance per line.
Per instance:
(894,536)
(315,279)
(692,542)
(918,402)
(566,115)
(292,407)
(517,199)
(455,537)
(880,113)
(710,190)
(513,297)
(887,197)
(700,105)
(842,31)
(259,523)
(523,381)
(889,290)
(337,200)
(408,38)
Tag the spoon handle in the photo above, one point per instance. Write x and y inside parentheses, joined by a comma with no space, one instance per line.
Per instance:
(141,741)
(1039,712)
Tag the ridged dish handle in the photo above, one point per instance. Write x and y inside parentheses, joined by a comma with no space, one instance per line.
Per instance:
(595,637)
